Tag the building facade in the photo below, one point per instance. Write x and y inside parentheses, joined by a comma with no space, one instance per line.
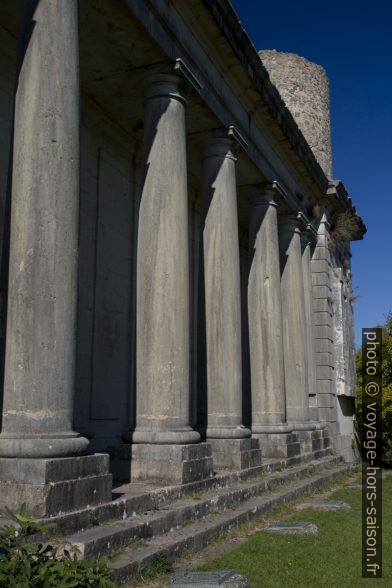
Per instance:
(176,284)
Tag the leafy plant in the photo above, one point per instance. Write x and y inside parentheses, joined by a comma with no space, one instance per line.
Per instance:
(344,228)
(28,564)
(386,391)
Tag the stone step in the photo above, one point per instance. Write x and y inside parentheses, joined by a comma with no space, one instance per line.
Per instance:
(162,518)
(138,497)
(196,535)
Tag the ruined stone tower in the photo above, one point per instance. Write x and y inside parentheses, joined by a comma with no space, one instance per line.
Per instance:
(304,88)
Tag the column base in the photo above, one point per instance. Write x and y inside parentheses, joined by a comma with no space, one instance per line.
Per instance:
(170,464)
(311,441)
(50,486)
(276,428)
(149,436)
(278,445)
(235,454)
(225,432)
(302,426)
(43,446)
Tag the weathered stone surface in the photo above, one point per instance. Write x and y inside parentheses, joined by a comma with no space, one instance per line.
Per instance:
(236,454)
(198,534)
(294,322)
(222,290)
(325,505)
(304,87)
(310,440)
(287,528)
(228,579)
(171,464)
(132,499)
(162,371)
(51,470)
(279,444)
(46,500)
(39,379)
(265,315)
(136,266)
(307,238)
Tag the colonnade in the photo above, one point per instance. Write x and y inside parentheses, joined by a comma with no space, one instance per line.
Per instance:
(40,352)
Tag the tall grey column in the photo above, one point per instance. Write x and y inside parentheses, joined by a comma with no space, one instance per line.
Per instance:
(162,333)
(294,323)
(42,291)
(269,423)
(265,317)
(222,301)
(162,271)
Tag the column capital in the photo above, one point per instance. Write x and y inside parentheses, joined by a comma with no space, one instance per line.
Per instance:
(308,232)
(174,79)
(223,142)
(268,194)
(290,222)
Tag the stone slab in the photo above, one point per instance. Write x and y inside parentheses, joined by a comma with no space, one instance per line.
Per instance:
(279,445)
(45,471)
(325,505)
(311,441)
(55,498)
(237,454)
(52,486)
(330,505)
(171,464)
(227,578)
(287,528)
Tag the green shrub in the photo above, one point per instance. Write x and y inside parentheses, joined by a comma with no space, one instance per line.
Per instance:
(28,564)
(386,392)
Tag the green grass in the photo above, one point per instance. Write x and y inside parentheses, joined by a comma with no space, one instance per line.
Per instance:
(332,558)
(161,566)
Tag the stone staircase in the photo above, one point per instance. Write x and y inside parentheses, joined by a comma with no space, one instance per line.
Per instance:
(145,521)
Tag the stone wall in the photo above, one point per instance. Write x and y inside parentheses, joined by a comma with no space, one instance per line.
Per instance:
(304,87)
(105,366)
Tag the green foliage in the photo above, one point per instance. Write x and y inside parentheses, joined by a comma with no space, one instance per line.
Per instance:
(344,228)
(386,389)
(28,564)
(160,566)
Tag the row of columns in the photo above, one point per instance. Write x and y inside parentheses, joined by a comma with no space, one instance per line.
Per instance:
(41,341)
(279,290)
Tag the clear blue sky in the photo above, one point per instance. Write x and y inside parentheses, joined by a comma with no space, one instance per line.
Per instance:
(352,40)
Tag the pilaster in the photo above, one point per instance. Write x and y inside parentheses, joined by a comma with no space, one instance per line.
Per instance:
(323,326)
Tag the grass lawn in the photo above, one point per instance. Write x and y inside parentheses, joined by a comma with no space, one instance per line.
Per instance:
(332,558)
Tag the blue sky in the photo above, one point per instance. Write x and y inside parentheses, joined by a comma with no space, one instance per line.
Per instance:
(352,40)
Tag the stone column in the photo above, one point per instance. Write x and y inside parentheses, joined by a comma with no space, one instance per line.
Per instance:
(163,434)
(294,323)
(230,440)
(308,239)
(42,291)
(265,327)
